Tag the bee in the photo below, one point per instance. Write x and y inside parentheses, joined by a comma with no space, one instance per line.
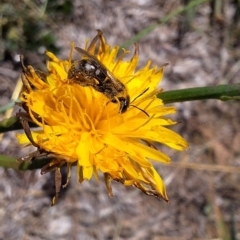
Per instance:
(89,71)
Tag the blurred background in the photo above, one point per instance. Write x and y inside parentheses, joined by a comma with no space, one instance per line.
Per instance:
(202,46)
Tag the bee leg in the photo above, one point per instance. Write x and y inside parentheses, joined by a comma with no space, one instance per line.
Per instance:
(58,183)
(117,101)
(69,170)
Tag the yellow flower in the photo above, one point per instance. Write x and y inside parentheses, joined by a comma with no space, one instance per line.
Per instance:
(81,122)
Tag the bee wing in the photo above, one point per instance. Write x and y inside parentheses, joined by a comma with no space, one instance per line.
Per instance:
(89,55)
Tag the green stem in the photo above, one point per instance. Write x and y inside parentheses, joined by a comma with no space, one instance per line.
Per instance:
(12,124)
(220,92)
(11,162)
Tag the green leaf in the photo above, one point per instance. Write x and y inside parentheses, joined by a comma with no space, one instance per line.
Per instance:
(220,92)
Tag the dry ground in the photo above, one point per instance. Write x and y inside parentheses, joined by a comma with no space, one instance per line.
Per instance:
(202,182)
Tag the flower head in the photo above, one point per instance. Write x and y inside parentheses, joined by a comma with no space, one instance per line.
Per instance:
(77,106)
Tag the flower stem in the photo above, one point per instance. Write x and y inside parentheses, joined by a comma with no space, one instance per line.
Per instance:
(12,124)
(220,92)
(11,162)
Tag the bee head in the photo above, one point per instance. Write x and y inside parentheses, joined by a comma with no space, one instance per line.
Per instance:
(124,103)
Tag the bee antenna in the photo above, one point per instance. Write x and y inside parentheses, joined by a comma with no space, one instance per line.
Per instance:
(140,110)
(140,94)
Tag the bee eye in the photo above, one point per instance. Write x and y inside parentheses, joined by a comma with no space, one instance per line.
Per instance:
(124,103)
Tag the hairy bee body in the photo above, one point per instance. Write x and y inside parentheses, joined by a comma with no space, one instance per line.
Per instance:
(89,71)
